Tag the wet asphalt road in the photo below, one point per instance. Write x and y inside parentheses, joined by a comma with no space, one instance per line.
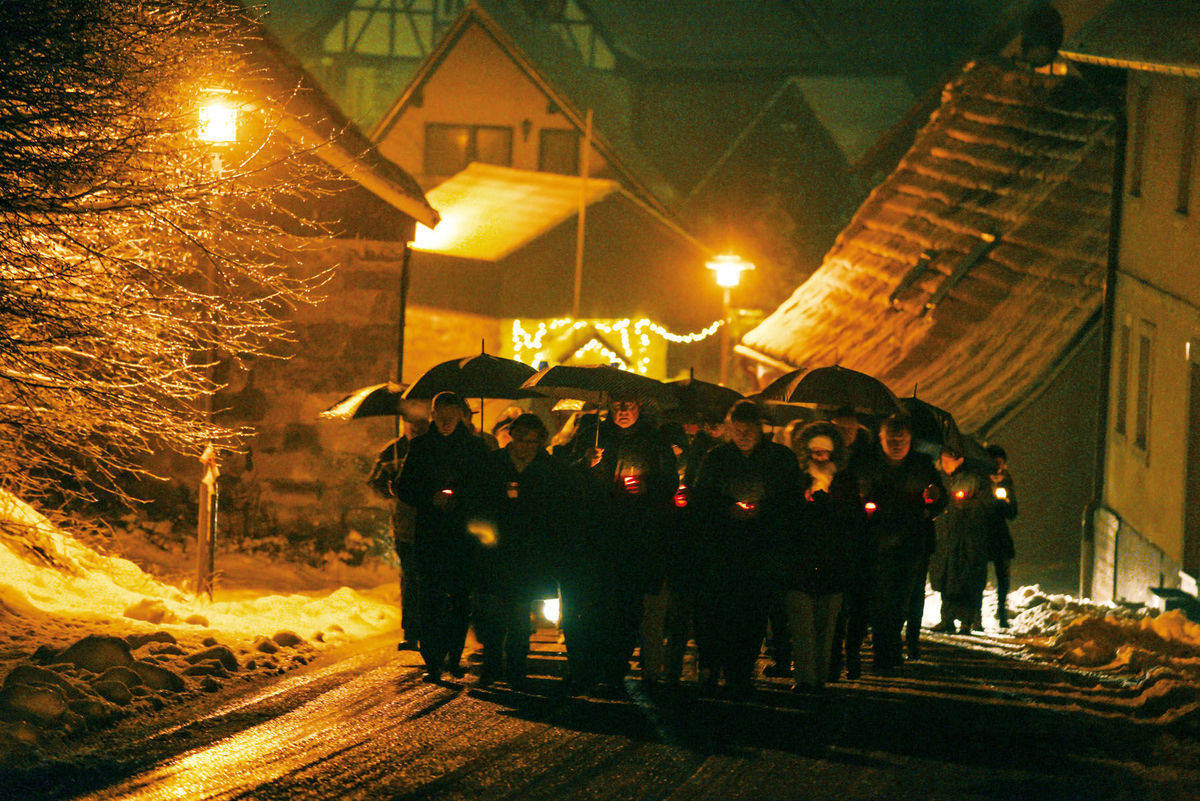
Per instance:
(960,724)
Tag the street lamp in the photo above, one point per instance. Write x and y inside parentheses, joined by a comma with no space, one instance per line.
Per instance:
(727,270)
(217,119)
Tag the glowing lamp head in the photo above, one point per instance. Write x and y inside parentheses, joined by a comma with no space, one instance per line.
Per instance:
(727,269)
(960,494)
(870,507)
(218,119)
(449,493)
(1001,493)
(746,506)
(632,484)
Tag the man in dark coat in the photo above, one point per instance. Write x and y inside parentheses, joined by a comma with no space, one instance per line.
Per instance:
(682,579)
(525,495)
(631,481)
(441,479)
(902,493)
(1001,548)
(384,475)
(745,493)
(958,569)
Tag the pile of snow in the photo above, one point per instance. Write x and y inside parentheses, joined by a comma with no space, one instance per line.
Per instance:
(1108,638)
(87,638)
(162,551)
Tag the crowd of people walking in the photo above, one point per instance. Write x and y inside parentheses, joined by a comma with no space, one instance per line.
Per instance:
(710,531)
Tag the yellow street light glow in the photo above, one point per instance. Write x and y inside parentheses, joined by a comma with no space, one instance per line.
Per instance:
(218,119)
(728,269)
(551,610)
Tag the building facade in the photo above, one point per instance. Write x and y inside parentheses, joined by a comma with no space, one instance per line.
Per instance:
(1147,524)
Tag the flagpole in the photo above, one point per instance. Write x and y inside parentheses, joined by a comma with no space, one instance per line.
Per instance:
(585,151)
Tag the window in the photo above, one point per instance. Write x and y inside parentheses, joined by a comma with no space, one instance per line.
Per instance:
(1122,409)
(1186,156)
(1137,158)
(1141,433)
(450,148)
(558,151)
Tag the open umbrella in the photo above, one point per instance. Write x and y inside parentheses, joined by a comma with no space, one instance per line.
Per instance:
(778,390)
(930,423)
(839,386)
(598,384)
(377,400)
(479,376)
(702,398)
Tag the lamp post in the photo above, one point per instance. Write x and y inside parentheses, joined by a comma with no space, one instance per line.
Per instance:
(218,128)
(727,270)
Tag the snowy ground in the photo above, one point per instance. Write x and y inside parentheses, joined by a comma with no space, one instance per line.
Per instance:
(89,639)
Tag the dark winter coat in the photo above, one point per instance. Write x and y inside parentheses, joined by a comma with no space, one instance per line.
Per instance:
(1000,544)
(527,513)
(823,545)
(958,568)
(682,535)
(628,497)
(442,479)
(906,497)
(741,502)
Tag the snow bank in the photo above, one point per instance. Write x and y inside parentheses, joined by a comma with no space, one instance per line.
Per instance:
(1109,638)
(87,638)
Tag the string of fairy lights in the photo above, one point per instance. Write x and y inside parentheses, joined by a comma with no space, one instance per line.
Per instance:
(632,336)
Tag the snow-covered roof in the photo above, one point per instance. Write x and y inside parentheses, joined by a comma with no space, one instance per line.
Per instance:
(313,120)
(488,211)
(977,265)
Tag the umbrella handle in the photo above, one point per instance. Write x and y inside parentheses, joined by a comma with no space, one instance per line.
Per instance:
(603,402)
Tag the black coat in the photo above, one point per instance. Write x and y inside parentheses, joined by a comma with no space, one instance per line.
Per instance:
(442,479)
(527,513)
(1000,544)
(741,502)
(825,542)
(958,568)
(627,499)
(906,497)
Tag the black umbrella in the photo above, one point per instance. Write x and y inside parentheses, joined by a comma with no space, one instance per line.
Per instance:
(480,376)
(598,384)
(930,423)
(839,387)
(377,400)
(702,398)
(778,390)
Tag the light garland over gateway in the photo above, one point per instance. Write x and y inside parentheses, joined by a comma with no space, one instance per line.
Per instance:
(631,336)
